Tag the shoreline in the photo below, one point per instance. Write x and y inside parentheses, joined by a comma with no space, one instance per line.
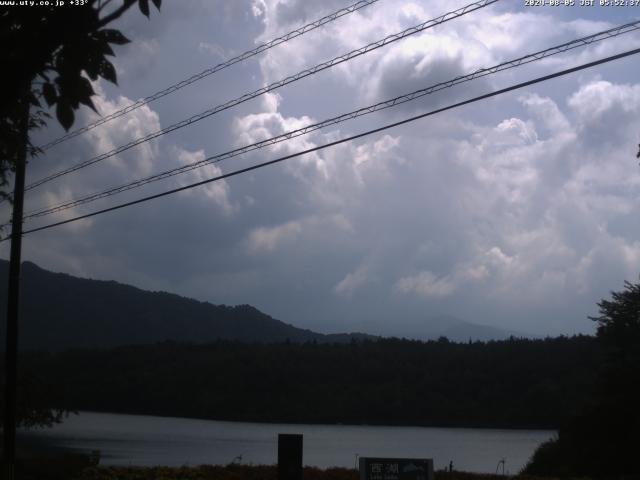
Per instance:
(303,423)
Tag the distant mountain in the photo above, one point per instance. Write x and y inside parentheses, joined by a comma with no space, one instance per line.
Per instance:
(455,329)
(60,311)
(464,331)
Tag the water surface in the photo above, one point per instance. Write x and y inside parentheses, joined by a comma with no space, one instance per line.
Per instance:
(148,440)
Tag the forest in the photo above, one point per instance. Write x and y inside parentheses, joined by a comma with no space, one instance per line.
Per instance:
(517,383)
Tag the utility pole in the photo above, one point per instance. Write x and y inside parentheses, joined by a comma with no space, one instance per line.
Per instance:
(13,303)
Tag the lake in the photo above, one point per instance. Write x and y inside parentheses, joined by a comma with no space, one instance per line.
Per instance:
(148,440)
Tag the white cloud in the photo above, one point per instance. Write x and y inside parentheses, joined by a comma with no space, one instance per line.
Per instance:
(213,49)
(600,105)
(267,239)
(547,112)
(510,33)
(426,284)
(217,191)
(352,282)
(258,8)
(137,124)
(256,127)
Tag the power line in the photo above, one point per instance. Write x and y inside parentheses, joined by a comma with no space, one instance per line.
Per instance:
(209,71)
(588,40)
(337,142)
(293,78)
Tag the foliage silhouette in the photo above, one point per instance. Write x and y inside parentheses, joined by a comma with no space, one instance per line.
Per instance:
(54,52)
(50,51)
(603,440)
(517,383)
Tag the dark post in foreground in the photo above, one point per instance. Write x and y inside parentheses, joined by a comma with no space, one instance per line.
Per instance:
(13,299)
(289,456)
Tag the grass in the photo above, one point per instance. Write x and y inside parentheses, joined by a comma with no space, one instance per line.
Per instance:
(72,469)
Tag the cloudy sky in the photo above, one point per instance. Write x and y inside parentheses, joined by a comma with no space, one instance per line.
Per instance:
(519,212)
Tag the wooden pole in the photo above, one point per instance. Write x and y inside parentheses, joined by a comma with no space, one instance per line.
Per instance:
(13,306)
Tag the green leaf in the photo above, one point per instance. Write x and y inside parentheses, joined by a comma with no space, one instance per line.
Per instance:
(144,7)
(65,115)
(107,71)
(113,36)
(157,3)
(49,92)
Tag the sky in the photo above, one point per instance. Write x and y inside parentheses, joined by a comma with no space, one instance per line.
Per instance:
(518,212)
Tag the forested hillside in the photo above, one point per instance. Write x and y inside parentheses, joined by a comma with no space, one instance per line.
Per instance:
(60,311)
(515,383)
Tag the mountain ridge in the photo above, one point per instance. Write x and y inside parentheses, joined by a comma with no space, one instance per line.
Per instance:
(60,311)
(122,314)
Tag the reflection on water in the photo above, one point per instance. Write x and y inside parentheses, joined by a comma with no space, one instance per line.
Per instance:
(146,440)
